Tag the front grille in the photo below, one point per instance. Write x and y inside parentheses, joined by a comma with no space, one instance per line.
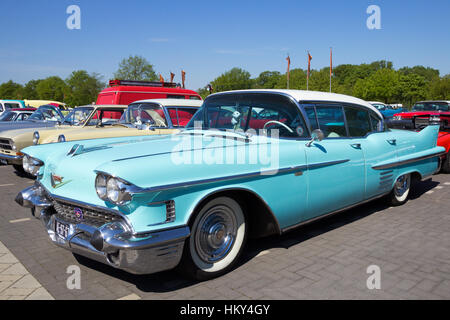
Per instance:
(419,122)
(94,217)
(5,144)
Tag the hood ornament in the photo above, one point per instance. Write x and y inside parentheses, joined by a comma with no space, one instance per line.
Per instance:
(57,181)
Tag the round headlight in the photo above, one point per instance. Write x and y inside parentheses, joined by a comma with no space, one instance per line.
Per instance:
(113,190)
(62,138)
(35,137)
(26,163)
(100,187)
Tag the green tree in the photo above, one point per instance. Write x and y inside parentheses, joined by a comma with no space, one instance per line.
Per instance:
(382,85)
(135,68)
(83,88)
(29,90)
(439,89)
(297,80)
(268,80)
(52,88)
(412,88)
(233,79)
(11,90)
(429,74)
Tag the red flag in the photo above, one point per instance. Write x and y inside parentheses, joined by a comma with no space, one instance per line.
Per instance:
(309,63)
(172,75)
(183,77)
(161,79)
(289,65)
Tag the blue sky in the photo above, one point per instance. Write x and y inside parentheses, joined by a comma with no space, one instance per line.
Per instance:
(206,38)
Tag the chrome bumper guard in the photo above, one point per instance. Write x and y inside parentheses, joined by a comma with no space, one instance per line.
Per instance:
(10,159)
(111,243)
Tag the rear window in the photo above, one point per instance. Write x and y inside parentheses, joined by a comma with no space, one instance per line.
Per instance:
(181,116)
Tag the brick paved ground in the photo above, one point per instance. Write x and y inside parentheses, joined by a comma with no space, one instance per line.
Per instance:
(324,260)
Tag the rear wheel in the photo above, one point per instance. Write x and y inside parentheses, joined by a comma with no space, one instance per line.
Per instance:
(446,164)
(218,235)
(399,195)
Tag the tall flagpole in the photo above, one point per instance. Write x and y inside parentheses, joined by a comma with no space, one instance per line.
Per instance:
(288,70)
(307,75)
(331,65)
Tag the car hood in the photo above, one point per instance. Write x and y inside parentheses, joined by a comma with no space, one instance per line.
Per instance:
(152,161)
(25,124)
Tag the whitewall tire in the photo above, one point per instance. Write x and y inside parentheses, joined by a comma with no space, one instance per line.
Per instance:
(400,192)
(218,236)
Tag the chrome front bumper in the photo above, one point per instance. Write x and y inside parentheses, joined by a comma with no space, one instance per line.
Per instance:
(10,159)
(111,243)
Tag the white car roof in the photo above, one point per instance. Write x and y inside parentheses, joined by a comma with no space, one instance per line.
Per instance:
(174,102)
(306,95)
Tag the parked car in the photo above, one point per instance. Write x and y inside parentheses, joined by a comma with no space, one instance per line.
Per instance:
(146,117)
(20,114)
(37,103)
(12,141)
(127,91)
(6,105)
(386,110)
(44,116)
(423,113)
(147,204)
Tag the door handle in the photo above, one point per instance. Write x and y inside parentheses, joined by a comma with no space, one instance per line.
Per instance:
(356,145)
(392,141)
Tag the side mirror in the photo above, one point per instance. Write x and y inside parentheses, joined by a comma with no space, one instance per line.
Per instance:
(316,135)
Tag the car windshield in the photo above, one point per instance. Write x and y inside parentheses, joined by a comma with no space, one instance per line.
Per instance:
(8,116)
(45,113)
(431,106)
(140,113)
(105,117)
(78,116)
(251,112)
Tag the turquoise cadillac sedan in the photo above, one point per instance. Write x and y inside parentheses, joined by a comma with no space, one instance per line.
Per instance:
(249,164)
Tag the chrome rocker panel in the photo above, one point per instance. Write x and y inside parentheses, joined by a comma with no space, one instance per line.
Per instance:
(112,243)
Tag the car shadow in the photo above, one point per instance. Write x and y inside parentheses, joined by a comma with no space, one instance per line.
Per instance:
(171,280)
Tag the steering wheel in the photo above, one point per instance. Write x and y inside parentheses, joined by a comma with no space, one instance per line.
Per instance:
(280,123)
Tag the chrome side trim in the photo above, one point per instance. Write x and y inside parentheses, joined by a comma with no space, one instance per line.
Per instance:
(332,213)
(400,163)
(262,174)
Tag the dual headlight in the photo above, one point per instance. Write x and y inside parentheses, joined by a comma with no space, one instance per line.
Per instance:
(114,190)
(32,165)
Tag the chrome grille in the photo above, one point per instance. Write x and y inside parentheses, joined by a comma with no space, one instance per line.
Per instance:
(421,122)
(66,212)
(5,144)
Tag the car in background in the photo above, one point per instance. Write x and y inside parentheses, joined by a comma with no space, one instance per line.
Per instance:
(422,115)
(38,103)
(146,117)
(44,116)
(20,114)
(148,204)
(386,110)
(128,91)
(6,105)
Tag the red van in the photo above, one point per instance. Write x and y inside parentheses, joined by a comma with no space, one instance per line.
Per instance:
(128,91)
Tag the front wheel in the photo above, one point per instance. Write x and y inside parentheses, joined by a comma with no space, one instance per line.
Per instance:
(218,235)
(399,195)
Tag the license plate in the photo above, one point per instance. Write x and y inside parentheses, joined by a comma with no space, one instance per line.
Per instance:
(62,229)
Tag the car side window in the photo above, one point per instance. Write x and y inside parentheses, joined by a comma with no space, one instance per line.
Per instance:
(311,115)
(331,121)
(376,124)
(358,121)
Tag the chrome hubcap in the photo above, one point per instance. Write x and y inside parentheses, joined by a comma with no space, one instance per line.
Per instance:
(216,234)
(401,185)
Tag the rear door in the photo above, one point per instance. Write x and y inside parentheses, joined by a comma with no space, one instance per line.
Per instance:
(335,172)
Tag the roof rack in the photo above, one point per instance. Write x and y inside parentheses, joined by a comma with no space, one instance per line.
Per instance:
(117,82)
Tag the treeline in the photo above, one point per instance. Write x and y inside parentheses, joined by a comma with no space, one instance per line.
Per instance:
(377,81)
(80,88)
